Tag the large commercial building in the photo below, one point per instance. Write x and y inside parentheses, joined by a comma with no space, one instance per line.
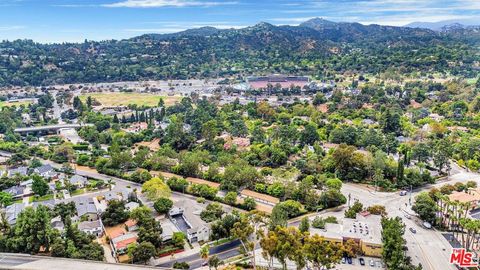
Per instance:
(281,81)
(365,230)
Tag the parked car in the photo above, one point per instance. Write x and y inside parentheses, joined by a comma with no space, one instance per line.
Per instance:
(403,193)
(379,264)
(362,261)
(344,260)
(349,260)
(413,230)
(372,264)
(427,225)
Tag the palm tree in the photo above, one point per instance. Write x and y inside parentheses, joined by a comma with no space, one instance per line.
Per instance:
(214,262)
(110,183)
(204,252)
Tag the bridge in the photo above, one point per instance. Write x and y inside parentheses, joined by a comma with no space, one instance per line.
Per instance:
(50,127)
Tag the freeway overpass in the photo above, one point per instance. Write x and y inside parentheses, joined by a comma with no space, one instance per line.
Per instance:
(50,127)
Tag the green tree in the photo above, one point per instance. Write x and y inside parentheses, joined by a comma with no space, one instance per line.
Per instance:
(65,210)
(212,212)
(393,252)
(309,135)
(156,188)
(230,198)
(6,199)
(425,207)
(356,208)
(115,213)
(178,239)
(39,185)
(322,253)
(249,204)
(143,252)
(334,184)
(32,231)
(214,262)
(163,205)
(204,252)
(304,225)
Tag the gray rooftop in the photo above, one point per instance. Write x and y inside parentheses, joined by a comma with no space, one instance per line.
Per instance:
(20,170)
(44,169)
(191,212)
(85,206)
(12,212)
(78,179)
(88,225)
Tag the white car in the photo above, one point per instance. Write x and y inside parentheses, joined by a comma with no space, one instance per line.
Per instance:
(427,225)
(403,193)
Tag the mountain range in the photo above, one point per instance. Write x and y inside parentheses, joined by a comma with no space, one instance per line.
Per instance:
(316,47)
(446,24)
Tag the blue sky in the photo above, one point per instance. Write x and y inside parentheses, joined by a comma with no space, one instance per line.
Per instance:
(76,20)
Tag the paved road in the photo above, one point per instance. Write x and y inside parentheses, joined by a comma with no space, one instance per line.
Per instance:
(427,247)
(223,252)
(10,260)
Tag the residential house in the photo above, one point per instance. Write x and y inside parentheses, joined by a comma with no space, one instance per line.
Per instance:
(120,243)
(86,209)
(48,203)
(16,191)
(120,238)
(111,195)
(46,171)
(22,171)
(27,183)
(57,223)
(91,227)
(131,225)
(78,181)
(136,127)
(12,212)
(168,229)
(185,215)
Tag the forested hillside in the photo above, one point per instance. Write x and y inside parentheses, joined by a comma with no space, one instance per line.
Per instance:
(317,47)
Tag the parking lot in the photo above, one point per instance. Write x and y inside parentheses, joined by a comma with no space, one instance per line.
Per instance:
(377,264)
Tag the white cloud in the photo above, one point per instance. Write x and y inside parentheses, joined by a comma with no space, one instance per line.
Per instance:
(174,28)
(166,3)
(11,28)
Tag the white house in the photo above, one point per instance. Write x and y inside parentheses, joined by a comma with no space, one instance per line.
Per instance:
(186,216)
(91,227)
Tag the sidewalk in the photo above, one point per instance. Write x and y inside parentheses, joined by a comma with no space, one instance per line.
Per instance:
(106,250)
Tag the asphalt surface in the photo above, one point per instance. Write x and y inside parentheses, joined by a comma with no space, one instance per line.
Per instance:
(14,260)
(223,252)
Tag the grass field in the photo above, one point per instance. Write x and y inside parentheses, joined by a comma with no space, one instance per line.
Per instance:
(124,99)
(10,104)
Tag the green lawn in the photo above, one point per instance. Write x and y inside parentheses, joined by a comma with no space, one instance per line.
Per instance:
(77,192)
(10,104)
(124,99)
(41,199)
